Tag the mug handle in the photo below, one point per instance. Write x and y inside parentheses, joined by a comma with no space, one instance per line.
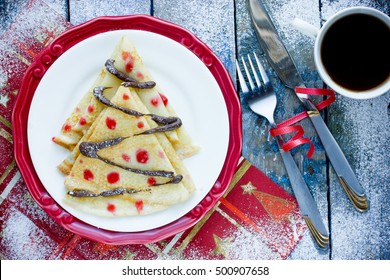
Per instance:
(305,28)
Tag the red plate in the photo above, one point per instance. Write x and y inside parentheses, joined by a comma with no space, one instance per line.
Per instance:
(67,40)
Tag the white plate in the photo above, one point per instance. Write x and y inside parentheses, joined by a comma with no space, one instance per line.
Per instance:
(189,86)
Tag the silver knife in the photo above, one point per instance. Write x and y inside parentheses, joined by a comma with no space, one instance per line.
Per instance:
(281,61)
(306,203)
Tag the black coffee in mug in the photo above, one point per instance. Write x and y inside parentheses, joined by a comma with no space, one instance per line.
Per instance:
(356,52)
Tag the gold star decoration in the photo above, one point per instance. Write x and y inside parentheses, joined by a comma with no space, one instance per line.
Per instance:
(249,188)
(128,255)
(3,100)
(222,245)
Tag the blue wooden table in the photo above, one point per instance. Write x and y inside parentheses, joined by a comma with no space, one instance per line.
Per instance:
(361,127)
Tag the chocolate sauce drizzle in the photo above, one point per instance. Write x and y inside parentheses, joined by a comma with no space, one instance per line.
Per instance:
(168,123)
(114,192)
(90,149)
(128,81)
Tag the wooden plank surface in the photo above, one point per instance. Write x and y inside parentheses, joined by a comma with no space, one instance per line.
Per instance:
(360,127)
(81,11)
(211,20)
(9,9)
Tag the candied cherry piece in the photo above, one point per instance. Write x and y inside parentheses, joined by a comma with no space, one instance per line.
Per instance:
(113,177)
(125,96)
(151,181)
(164,99)
(82,121)
(88,175)
(111,207)
(155,101)
(90,109)
(111,123)
(139,204)
(140,124)
(67,127)
(142,156)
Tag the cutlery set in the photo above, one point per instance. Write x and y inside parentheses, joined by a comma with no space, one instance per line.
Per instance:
(262,100)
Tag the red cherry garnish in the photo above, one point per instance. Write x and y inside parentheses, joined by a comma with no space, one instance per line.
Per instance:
(142,156)
(129,66)
(164,99)
(139,204)
(82,121)
(155,101)
(88,175)
(67,127)
(113,177)
(151,181)
(90,109)
(140,124)
(111,123)
(111,207)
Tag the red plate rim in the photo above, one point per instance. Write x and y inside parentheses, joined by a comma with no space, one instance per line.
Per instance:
(64,42)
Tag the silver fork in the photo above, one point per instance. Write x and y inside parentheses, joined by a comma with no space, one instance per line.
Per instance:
(263,102)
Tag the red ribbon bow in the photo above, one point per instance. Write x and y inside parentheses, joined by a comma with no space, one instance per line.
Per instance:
(289,126)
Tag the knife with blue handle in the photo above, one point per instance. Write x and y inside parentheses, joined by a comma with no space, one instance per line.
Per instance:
(281,61)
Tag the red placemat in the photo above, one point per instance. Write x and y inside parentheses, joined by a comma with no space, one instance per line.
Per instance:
(256,219)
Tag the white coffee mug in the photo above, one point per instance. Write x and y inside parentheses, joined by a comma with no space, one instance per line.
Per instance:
(318,35)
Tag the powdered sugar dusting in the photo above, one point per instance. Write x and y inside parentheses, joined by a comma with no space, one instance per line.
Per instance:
(285,11)
(242,244)
(30,208)
(81,11)
(251,246)
(363,136)
(8,11)
(12,8)
(365,130)
(23,41)
(23,239)
(211,20)
(24,235)
(332,7)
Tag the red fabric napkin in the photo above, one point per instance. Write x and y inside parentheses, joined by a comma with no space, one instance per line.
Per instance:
(256,219)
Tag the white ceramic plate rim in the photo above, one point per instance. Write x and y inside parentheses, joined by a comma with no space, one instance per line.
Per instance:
(190,87)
